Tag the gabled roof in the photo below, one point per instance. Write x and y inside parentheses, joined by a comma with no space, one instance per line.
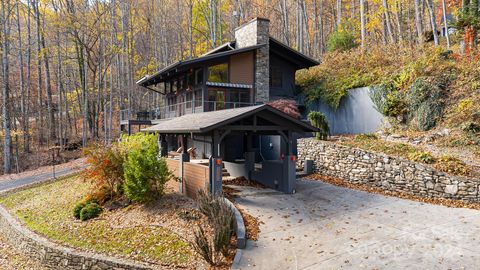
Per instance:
(224,47)
(295,57)
(209,121)
(292,55)
(164,73)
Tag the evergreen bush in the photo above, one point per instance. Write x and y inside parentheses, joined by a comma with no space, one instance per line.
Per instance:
(319,121)
(89,211)
(145,173)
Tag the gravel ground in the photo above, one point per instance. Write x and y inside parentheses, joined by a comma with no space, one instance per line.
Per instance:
(12,259)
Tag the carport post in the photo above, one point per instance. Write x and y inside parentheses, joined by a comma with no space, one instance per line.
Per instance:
(163,145)
(289,173)
(184,157)
(249,156)
(215,165)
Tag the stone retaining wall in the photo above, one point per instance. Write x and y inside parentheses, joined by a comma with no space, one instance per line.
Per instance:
(390,173)
(54,256)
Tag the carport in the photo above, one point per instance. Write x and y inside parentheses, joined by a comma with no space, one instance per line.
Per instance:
(232,131)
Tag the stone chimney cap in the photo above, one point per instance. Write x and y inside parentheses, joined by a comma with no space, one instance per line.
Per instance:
(253,20)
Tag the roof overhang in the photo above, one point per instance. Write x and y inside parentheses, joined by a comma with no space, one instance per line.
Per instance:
(207,122)
(180,66)
(299,59)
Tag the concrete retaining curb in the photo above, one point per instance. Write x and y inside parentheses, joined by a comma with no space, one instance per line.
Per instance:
(241,234)
(239,226)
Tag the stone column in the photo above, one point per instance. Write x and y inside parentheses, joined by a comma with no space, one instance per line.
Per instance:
(253,33)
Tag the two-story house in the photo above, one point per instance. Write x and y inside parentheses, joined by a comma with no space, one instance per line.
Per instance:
(252,69)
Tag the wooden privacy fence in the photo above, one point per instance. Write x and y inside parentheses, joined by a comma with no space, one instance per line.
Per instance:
(195,177)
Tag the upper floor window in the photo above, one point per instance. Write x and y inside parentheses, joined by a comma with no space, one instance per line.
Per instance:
(218,73)
(276,77)
(199,76)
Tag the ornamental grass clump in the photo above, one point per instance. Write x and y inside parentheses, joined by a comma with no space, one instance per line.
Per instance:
(221,218)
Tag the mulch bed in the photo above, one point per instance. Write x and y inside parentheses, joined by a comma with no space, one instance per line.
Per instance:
(363,187)
(252,225)
(242,181)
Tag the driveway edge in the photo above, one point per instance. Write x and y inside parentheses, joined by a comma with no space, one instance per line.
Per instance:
(241,234)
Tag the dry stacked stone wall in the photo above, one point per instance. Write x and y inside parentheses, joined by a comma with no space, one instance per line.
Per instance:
(390,173)
(54,256)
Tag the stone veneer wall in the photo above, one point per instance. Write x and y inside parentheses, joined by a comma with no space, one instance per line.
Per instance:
(253,33)
(390,173)
(55,256)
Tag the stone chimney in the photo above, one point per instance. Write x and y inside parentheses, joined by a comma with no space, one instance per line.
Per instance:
(256,32)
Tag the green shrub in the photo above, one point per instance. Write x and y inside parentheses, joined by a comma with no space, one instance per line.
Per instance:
(319,121)
(471,128)
(91,210)
(389,101)
(77,209)
(425,99)
(368,136)
(424,157)
(341,40)
(145,173)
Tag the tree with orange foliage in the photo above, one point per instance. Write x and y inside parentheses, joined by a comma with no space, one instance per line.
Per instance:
(469,21)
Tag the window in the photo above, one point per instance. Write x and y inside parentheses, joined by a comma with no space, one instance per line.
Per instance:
(190,80)
(275,77)
(167,87)
(188,100)
(198,98)
(216,99)
(218,73)
(174,86)
(171,100)
(199,76)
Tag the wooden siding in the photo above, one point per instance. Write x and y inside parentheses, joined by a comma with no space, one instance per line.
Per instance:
(195,177)
(241,68)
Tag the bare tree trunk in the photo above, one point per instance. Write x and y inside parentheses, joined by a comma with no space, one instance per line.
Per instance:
(285,23)
(398,14)
(433,21)
(39,75)
(387,21)
(418,21)
(445,23)
(363,33)
(339,12)
(23,97)
(48,86)
(7,142)
(26,135)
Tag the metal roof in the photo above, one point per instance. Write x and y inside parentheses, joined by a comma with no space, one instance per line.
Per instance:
(209,121)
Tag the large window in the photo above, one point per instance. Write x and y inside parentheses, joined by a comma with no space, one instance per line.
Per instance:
(239,98)
(275,77)
(218,73)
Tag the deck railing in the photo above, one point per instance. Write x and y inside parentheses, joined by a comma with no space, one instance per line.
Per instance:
(179,109)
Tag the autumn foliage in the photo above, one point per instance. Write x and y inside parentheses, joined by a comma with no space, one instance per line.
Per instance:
(287,106)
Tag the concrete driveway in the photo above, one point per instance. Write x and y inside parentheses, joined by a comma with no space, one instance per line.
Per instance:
(329,227)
